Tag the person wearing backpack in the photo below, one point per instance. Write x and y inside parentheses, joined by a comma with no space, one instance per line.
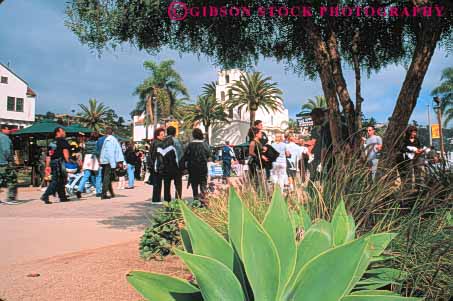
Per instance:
(227,155)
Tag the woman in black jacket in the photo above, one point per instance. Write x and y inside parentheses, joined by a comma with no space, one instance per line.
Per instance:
(409,158)
(196,159)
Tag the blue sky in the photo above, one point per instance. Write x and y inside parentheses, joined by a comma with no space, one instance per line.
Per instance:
(64,73)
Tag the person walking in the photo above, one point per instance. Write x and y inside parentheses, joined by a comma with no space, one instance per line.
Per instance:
(138,166)
(157,166)
(8,176)
(111,157)
(58,156)
(131,161)
(278,172)
(196,158)
(373,147)
(91,167)
(177,173)
(257,159)
(227,156)
(410,162)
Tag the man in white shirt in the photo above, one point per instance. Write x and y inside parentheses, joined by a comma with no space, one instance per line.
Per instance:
(373,146)
(296,153)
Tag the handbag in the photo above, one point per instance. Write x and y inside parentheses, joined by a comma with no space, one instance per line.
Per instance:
(90,162)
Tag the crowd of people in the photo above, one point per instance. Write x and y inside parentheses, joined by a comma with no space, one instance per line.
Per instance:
(288,158)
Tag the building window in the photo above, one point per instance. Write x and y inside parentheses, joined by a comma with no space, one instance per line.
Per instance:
(222,96)
(19,104)
(4,80)
(11,105)
(227,79)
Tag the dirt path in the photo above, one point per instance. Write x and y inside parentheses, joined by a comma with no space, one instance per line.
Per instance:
(91,275)
(82,249)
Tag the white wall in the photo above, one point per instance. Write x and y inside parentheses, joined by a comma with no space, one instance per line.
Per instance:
(235,132)
(18,89)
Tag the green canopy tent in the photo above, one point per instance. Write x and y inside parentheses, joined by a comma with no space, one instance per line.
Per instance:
(122,139)
(41,130)
(78,129)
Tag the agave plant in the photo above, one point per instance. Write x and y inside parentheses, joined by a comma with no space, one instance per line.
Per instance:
(265,262)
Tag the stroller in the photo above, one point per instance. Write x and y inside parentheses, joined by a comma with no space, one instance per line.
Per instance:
(74,176)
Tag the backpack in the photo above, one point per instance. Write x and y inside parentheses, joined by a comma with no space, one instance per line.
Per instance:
(227,153)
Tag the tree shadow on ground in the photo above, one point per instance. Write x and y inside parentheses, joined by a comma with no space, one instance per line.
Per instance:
(137,217)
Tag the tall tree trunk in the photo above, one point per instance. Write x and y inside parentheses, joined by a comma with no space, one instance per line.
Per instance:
(252,117)
(149,114)
(325,74)
(358,83)
(206,128)
(340,83)
(426,41)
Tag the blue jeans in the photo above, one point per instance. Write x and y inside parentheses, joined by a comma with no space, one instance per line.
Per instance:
(130,175)
(95,178)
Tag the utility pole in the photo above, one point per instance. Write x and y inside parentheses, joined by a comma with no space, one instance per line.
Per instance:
(429,127)
(438,101)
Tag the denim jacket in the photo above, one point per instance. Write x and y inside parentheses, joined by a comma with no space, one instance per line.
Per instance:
(111,152)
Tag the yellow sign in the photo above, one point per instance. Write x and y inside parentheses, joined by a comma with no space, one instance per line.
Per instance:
(174,124)
(435,131)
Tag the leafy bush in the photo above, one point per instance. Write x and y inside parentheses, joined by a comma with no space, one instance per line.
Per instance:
(264,261)
(163,232)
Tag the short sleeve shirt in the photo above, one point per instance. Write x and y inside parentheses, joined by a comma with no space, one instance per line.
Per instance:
(371,144)
(56,148)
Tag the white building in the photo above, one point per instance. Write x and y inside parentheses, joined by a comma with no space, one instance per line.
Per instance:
(17,100)
(235,131)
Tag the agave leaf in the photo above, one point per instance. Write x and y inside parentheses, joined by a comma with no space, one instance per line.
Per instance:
(306,219)
(207,272)
(343,225)
(377,298)
(373,283)
(162,287)
(373,292)
(378,242)
(316,240)
(186,241)
(278,225)
(205,240)
(381,258)
(317,281)
(235,221)
(260,258)
(388,274)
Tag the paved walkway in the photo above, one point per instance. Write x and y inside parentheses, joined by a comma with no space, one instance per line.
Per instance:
(61,239)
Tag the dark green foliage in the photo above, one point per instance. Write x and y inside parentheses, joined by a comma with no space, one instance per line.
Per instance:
(425,254)
(163,232)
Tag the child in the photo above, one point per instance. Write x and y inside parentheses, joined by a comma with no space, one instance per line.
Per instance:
(121,173)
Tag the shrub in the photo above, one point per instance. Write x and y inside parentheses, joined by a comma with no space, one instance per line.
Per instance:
(163,232)
(263,261)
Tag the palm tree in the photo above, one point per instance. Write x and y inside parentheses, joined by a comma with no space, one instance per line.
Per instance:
(95,115)
(165,84)
(445,91)
(252,92)
(293,125)
(207,111)
(319,102)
